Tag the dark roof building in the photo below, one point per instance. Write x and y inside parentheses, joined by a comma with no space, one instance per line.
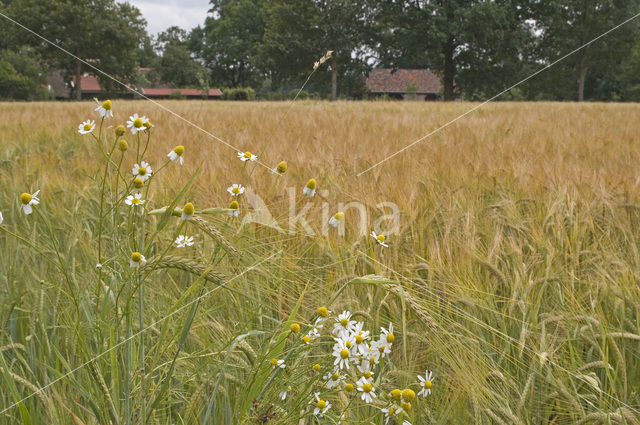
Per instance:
(420,84)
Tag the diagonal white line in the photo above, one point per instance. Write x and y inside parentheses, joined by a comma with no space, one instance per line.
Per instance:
(194,125)
(502,334)
(72,371)
(497,95)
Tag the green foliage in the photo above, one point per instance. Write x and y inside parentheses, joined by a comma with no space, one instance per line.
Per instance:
(21,78)
(238,93)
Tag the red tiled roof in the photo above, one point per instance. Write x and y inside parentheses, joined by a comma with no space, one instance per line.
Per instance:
(386,81)
(89,83)
(184,92)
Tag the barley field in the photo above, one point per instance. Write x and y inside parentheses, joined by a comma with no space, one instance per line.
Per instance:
(510,271)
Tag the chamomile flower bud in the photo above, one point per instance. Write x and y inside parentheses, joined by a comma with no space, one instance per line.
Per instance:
(123,145)
(120,130)
(310,188)
(136,260)
(176,154)
(86,127)
(138,183)
(408,395)
(349,387)
(336,219)
(281,168)
(28,200)
(406,406)
(317,367)
(187,211)
(295,328)
(322,311)
(234,208)
(247,156)
(104,110)
(147,124)
(396,394)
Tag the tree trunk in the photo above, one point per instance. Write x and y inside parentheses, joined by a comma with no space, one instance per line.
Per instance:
(582,76)
(449,69)
(334,80)
(78,85)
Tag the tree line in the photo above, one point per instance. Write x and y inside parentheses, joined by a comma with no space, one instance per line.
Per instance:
(477,47)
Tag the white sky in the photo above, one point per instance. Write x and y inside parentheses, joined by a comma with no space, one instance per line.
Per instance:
(161,14)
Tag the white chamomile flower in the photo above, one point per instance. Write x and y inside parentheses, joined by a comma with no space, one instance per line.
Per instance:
(311,336)
(134,200)
(336,219)
(283,394)
(360,338)
(366,388)
(86,127)
(234,209)
(389,412)
(365,369)
(425,383)
(321,405)
(275,363)
(28,200)
(333,379)
(235,189)
(247,156)
(381,348)
(137,123)
(342,354)
(176,154)
(142,170)
(379,238)
(310,188)
(188,211)
(343,324)
(183,240)
(387,334)
(104,110)
(136,260)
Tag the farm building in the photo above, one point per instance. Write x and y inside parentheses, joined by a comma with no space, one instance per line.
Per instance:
(408,84)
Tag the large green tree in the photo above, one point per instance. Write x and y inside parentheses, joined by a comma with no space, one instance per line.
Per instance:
(473,44)
(102,31)
(175,65)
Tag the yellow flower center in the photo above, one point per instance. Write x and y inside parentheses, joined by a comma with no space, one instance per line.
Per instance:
(390,338)
(408,395)
(282,167)
(138,183)
(295,328)
(348,388)
(323,312)
(367,374)
(236,190)
(311,184)
(107,105)
(359,339)
(136,257)
(367,388)
(344,353)
(135,201)
(188,209)
(380,238)
(25,198)
(321,404)
(396,394)
(247,155)
(339,216)
(344,322)
(406,406)
(306,339)
(179,150)
(348,344)
(391,411)
(381,348)
(317,367)
(427,384)
(137,123)
(234,205)
(147,124)
(87,127)
(274,362)
(335,376)
(142,171)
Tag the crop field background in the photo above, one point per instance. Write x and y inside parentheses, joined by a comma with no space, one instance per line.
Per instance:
(513,274)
